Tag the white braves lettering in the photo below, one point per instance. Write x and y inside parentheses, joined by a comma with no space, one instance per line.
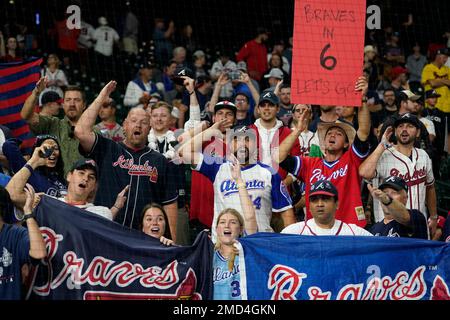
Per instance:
(317,174)
(101,271)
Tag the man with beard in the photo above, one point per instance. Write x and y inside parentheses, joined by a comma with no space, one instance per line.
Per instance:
(74,102)
(408,104)
(407,162)
(130,162)
(264,185)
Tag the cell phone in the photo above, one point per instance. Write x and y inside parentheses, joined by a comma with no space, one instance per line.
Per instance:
(47,153)
(178,80)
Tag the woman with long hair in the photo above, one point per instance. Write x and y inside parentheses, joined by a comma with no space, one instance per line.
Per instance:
(231,225)
(48,178)
(56,77)
(156,224)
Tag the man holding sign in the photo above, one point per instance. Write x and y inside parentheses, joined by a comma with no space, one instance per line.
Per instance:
(344,152)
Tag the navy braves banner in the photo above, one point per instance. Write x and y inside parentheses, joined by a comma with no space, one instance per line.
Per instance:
(291,267)
(90,257)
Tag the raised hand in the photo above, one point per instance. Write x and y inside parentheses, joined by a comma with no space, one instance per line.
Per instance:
(362,85)
(235,168)
(41,85)
(386,136)
(121,198)
(103,97)
(302,122)
(30,202)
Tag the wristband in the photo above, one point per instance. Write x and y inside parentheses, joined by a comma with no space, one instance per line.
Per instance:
(191,93)
(30,168)
(28,216)
(114,206)
(434,217)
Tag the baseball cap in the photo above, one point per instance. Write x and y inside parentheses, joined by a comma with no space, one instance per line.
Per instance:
(443,51)
(410,95)
(269,96)
(323,187)
(395,183)
(50,96)
(275,73)
(396,71)
(225,105)
(241,65)
(409,118)
(431,94)
(86,164)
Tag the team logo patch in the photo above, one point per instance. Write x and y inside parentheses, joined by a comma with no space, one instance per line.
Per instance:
(360,213)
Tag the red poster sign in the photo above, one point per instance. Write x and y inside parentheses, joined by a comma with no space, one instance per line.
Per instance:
(328,51)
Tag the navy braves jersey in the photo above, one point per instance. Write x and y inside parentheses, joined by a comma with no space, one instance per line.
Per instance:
(417,229)
(146,171)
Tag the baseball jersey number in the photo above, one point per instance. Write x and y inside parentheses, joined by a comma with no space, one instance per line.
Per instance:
(236,289)
(256,202)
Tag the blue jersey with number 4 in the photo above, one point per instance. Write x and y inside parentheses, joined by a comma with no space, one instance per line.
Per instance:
(226,283)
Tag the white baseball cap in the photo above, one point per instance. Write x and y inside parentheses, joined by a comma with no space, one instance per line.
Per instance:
(275,73)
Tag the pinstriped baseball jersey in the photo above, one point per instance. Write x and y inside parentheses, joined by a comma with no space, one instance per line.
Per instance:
(417,173)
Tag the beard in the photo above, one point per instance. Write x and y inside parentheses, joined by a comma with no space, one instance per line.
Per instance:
(242,157)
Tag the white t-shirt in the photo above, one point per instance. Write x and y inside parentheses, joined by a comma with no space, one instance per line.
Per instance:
(99,210)
(310,228)
(105,37)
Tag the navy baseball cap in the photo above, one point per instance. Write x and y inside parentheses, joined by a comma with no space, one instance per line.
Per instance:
(407,117)
(225,105)
(323,187)
(431,94)
(270,97)
(443,51)
(395,183)
(86,164)
(50,96)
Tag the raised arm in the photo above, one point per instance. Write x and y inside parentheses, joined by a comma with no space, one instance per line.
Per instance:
(27,113)
(245,78)
(396,209)
(37,245)
(194,107)
(368,168)
(363,113)
(223,80)
(248,210)
(18,181)
(84,128)
(288,143)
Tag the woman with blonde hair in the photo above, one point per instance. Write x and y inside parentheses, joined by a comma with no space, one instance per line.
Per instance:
(231,225)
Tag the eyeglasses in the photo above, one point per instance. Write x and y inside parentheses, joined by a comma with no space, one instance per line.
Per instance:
(240,100)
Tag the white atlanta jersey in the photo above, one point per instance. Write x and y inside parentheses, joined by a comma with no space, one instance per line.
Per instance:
(310,228)
(417,173)
(105,37)
(264,186)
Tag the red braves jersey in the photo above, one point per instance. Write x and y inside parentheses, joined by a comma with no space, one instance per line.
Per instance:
(343,173)
(202,192)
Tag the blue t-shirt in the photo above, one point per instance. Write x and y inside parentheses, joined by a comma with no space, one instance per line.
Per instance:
(417,229)
(226,283)
(14,253)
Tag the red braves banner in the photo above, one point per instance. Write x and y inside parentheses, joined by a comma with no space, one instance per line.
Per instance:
(327,51)
(92,258)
